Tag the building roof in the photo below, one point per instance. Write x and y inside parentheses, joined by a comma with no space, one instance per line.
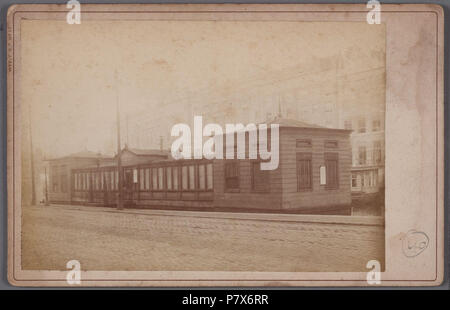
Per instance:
(146,152)
(286,122)
(84,154)
(291,123)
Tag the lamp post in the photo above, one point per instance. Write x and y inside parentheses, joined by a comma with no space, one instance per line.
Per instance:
(119,153)
(46,188)
(33,186)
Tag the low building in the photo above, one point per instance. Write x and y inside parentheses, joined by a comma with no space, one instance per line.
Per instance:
(60,181)
(368,147)
(134,156)
(313,176)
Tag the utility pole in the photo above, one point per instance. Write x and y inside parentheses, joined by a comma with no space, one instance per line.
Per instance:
(119,152)
(279,107)
(33,187)
(128,141)
(46,187)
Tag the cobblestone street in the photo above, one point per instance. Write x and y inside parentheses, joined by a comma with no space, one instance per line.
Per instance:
(107,239)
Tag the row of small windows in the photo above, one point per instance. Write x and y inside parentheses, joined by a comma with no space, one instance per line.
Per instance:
(170,178)
(328,173)
(199,177)
(96,180)
(377,154)
(365,179)
(260,179)
(59,179)
(361,128)
(300,143)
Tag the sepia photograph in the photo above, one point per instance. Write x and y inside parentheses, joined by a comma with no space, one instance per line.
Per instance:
(199,143)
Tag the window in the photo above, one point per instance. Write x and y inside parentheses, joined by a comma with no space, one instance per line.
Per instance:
(80,181)
(106,181)
(348,124)
(99,180)
(147,179)
(374,178)
(175,178)
(376,125)
(303,143)
(209,176)
(331,165)
(201,177)
(362,125)
(141,179)
(83,181)
(184,178)
(377,152)
(304,171)
(191,177)
(111,179)
(88,181)
(260,178)
(77,181)
(331,144)
(323,175)
(102,180)
(354,180)
(95,180)
(169,178)
(63,179)
(154,179)
(160,178)
(54,179)
(232,175)
(116,179)
(135,175)
(362,155)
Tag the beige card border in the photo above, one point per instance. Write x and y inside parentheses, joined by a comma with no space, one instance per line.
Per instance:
(320,12)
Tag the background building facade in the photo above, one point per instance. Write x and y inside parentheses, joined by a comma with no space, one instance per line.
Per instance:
(331,92)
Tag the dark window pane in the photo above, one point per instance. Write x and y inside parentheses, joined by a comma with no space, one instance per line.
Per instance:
(232,175)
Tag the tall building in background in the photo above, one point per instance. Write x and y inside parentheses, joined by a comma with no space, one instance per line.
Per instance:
(327,92)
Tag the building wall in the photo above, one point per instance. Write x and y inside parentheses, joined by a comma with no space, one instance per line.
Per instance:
(319,197)
(281,192)
(63,168)
(129,158)
(368,175)
(246,197)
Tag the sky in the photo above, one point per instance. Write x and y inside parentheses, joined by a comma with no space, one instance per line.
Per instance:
(73,75)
